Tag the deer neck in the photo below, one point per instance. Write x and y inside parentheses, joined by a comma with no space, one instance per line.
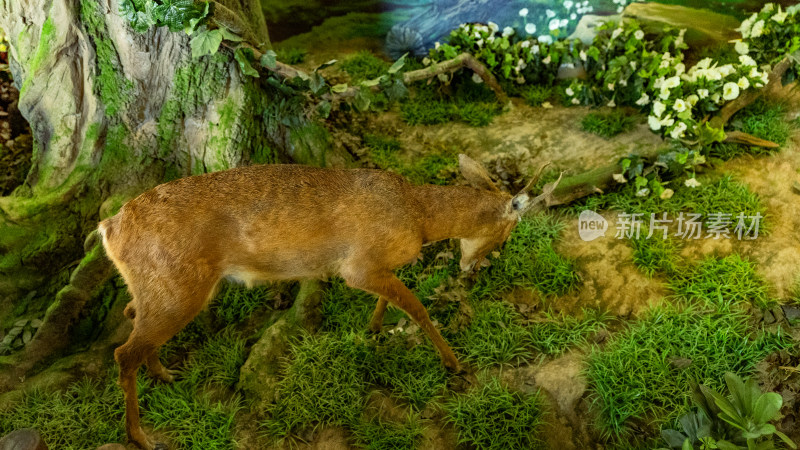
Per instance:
(457,211)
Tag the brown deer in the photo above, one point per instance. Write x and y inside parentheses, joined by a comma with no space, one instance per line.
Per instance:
(174,243)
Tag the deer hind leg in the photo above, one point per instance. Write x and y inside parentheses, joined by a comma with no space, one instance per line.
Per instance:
(376,323)
(388,287)
(158,317)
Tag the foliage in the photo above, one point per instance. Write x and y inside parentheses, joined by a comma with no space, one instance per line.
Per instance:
(234,304)
(493,417)
(641,377)
(556,333)
(377,434)
(656,253)
(291,55)
(607,124)
(18,336)
(218,361)
(737,421)
(528,260)
(435,167)
(495,336)
(771,34)
(470,102)
(722,284)
(536,95)
(176,15)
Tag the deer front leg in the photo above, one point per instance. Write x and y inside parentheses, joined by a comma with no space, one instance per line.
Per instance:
(376,323)
(388,287)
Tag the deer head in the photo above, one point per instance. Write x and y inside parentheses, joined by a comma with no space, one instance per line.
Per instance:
(508,211)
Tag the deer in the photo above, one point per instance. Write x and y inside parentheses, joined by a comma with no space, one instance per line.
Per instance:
(174,244)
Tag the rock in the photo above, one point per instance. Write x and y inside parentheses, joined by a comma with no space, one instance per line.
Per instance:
(23,439)
(791,312)
(112,447)
(562,379)
(586,29)
(701,25)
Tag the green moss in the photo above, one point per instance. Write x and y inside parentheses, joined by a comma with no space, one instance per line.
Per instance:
(722,284)
(311,142)
(607,124)
(437,167)
(640,379)
(292,55)
(364,65)
(471,103)
(46,37)
(493,417)
(353,25)
(111,85)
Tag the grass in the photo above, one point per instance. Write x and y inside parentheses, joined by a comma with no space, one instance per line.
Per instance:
(723,284)
(438,167)
(607,124)
(640,380)
(762,119)
(794,292)
(723,195)
(468,102)
(218,361)
(364,65)
(528,260)
(656,254)
(496,335)
(235,303)
(558,333)
(292,55)
(494,417)
(377,434)
(536,95)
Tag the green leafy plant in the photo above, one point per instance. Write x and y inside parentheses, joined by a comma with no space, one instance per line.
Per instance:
(607,124)
(723,284)
(364,65)
(177,15)
(556,333)
(292,55)
(18,336)
(740,420)
(772,34)
(495,336)
(536,95)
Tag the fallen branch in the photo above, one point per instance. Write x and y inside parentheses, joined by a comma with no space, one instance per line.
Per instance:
(738,137)
(460,61)
(750,95)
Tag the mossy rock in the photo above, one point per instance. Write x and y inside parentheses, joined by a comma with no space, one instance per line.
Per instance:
(702,26)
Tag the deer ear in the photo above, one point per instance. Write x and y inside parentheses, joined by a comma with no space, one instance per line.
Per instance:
(475,173)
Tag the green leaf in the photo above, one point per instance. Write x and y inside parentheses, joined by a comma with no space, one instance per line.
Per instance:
(339,88)
(674,439)
(396,91)
(20,323)
(269,59)
(625,164)
(687,445)
(728,409)
(26,337)
(362,100)
(206,42)
(228,35)
(36,323)
(766,407)
(785,439)
(764,430)
(725,445)
(326,64)
(324,109)
(316,83)
(244,56)
(194,21)
(372,82)
(398,64)
(175,14)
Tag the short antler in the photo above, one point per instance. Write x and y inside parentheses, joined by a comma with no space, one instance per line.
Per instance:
(535,178)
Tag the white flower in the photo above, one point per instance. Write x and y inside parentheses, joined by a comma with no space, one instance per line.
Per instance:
(639,34)
(546,105)
(664,64)
(767,8)
(693,99)
(619,178)
(521,64)
(530,28)
(702,64)
(658,83)
(747,61)
(726,70)
(436,45)
(550,13)
(666,194)
(616,33)
(547,60)
(741,47)
(744,28)
(611,104)
(623,82)
(610,86)
(730,91)
(479,42)
(712,74)
(573,16)
(659,108)
(525,44)
(754,73)
(546,39)
(692,183)
(426,61)
(520,80)
(575,101)
(664,94)
(493,26)
(643,100)
(523,12)
(703,93)
(535,49)
(583,55)
(780,16)
(508,31)
(672,82)
(679,39)
(667,121)
(570,92)
(716,98)
(476,78)
(568,4)
(679,130)
(679,69)
(643,191)
(620,9)
(554,24)
(564,22)
(680,105)
(743,83)
(765,77)
(758,29)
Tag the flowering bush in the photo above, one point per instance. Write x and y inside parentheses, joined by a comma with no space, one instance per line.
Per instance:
(771,34)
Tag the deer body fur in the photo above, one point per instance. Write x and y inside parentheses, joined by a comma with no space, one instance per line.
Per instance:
(174,243)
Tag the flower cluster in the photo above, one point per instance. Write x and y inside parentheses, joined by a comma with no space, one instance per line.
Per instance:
(512,60)
(554,21)
(771,34)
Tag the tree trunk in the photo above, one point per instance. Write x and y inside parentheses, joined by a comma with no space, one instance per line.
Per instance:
(114,112)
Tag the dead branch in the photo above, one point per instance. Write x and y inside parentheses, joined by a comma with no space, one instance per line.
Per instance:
(460,61)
